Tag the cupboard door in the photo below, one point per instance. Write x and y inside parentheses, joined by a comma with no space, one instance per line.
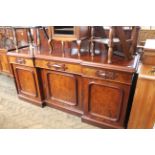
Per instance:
(27,83)
(105,103)
(63,90)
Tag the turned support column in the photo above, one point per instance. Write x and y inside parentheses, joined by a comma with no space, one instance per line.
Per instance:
(110,53)
(62,48)
(78,42)
(50,41)
(15,39)
(110,45)
(38,40)
(91,44)
(50,44)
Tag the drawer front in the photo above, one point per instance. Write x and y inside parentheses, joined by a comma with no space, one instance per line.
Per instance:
(21,61)
(107,75)
(58,66)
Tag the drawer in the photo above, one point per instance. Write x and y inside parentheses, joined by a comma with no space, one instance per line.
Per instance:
(21,61)
(58,66)
(107,75)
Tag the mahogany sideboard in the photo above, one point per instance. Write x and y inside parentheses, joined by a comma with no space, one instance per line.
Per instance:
(96,91)
(86,86)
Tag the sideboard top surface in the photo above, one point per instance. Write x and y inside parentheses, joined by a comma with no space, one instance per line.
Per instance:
(99,60)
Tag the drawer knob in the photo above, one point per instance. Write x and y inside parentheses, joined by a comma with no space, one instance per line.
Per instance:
(57,66)
(152,71)
(106,74)
(20,61)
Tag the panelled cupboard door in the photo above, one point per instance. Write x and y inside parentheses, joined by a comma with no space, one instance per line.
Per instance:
(63,90)
(27,83)
(105,103)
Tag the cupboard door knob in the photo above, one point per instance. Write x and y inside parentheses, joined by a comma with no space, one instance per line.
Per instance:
(152,71)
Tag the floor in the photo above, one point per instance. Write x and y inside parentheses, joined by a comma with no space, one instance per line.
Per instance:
(18,114)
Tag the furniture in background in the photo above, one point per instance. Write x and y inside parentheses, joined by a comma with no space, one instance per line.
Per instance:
(115,36)
(148,56)
(143,107)
(67,34)
(12,38)
(144,34)
(22,37)
(40,38)
(4,63)
(6,43)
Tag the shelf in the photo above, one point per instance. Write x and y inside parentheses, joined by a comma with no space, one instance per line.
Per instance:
(64,30)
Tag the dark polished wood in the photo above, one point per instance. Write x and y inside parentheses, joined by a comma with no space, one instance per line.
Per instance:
(22,36)
(106,94)
(27,79)
(67,34)
(105,103)
(116,38)
(28,90)
(101,89)
(63,91)
(85,85)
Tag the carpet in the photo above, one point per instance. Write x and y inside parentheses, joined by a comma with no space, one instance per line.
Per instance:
(18,114)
